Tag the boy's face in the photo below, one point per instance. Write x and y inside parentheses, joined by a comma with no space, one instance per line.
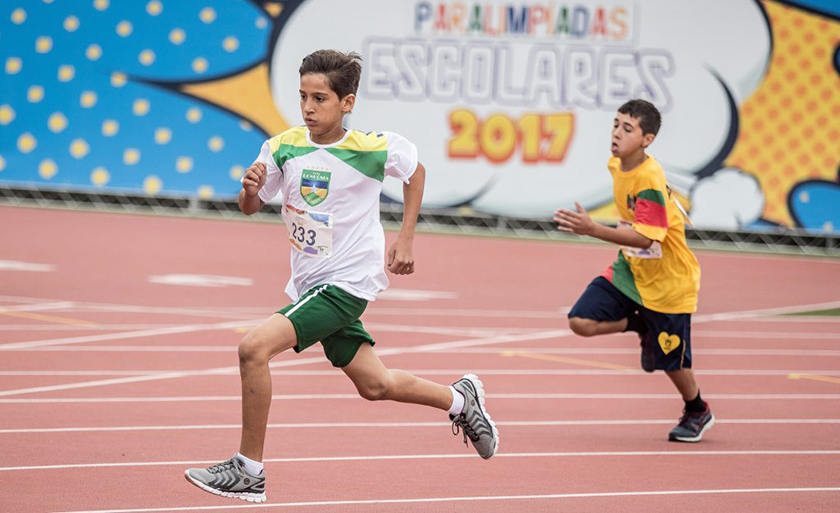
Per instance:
(320,106)
(627,137)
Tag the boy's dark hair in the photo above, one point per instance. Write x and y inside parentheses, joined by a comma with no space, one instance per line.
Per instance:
(649,118)
(343,70)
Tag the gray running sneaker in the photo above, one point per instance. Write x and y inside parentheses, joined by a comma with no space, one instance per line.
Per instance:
(474,421)
(692,426)
(229,479)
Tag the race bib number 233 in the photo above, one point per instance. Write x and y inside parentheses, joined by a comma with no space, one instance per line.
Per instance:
(309,232)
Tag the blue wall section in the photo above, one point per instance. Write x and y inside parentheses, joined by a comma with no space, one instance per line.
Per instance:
(102,65)
(825,7)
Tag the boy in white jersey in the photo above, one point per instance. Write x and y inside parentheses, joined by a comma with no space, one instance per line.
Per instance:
(330,180)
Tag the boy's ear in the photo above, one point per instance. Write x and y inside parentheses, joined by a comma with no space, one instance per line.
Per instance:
(347,103)
(647,139)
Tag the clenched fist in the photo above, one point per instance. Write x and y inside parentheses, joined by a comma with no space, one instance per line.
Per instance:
(254,179)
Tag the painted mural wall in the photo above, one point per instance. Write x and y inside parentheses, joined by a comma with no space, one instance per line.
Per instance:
(510,103)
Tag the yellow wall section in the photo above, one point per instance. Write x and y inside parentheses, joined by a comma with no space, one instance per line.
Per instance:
(790,127)
(247,94)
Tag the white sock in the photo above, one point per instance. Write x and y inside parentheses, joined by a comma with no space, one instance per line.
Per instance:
(252,467)
(457,401)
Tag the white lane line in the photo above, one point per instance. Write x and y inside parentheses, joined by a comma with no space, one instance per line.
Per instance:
(798,335)
(98,327)
(15,265)
(57,305)
(455,312)
(463,455)
(129,334)
(804,352)
(590,351)
(438,372)
(467,331)
(311,397)
(459,331)
(200,280)
(210,311)
(290,363)
(26,299)
(807,319)
(130,349)
(763,312)
(482,498)
(404,425)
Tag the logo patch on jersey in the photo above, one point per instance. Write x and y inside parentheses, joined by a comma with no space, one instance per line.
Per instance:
(314,186)
(668,342)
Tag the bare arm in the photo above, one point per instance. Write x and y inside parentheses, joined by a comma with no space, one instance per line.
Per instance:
(249,200)
(579,222)
(401,255)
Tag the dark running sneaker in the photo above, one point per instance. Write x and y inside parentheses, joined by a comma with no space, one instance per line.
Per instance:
(692,426)
(474,421)
(229,479)
(648,359)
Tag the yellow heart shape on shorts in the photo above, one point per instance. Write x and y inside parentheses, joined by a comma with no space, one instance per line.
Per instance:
(668,342)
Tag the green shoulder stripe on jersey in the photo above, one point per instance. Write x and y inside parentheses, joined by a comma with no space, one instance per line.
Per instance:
(287,152)
(290,144)
(623,279)
(369,163)
(652,195)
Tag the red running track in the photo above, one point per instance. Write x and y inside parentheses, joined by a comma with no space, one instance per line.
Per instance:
(112,383)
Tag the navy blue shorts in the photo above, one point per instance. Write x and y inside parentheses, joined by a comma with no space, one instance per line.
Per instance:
(671,333)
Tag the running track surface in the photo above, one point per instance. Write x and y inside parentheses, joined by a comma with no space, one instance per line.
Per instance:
(112,383)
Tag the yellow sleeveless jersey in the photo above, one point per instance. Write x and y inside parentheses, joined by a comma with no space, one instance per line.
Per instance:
(665,277)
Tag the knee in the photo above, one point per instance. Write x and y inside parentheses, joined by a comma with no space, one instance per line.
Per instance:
(375,389)
(582,327)
(252,350)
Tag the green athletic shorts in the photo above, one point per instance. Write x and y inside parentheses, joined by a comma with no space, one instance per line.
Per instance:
(329,315)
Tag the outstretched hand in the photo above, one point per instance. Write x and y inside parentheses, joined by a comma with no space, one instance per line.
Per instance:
(574,222)
(254,179)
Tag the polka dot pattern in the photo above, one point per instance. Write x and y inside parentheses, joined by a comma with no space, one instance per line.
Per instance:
(110,128)
(148,31)
(791,124)
(72,113)
(13,65)
(100,176)
(34,94)
(26,143)
(79,148)
(47,169)
(7,115)
(57,122)
(152,185)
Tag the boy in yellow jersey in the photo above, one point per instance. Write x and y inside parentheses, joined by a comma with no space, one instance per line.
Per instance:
(652,286)
(330,180)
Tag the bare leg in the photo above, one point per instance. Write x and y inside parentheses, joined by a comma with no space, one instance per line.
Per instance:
(375,382)
(261,344)
(684,380)
(591,328)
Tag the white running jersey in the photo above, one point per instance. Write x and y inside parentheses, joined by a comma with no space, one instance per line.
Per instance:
(330,199)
